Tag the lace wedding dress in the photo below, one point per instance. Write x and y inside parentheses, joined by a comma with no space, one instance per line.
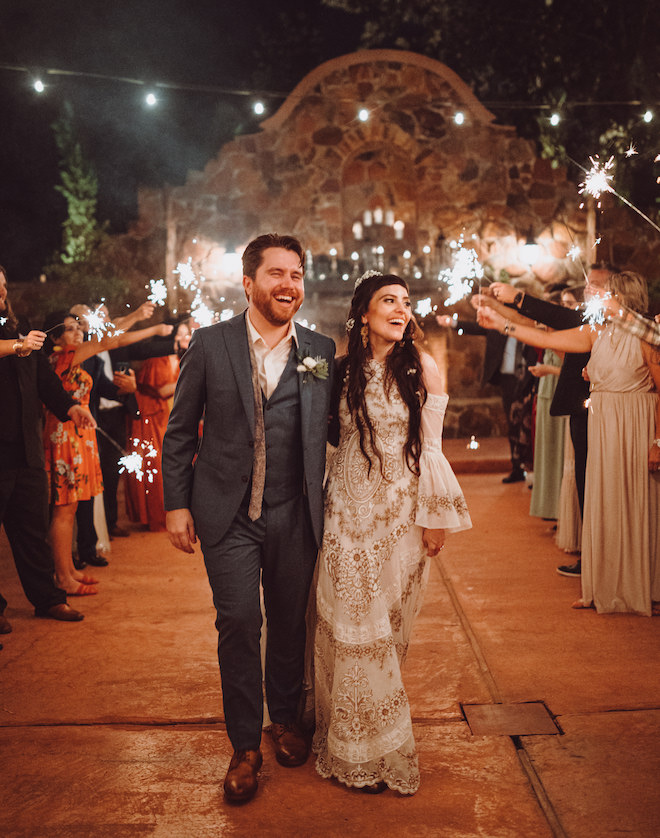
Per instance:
(372,573)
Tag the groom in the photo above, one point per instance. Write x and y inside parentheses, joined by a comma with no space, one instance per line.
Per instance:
(254,493)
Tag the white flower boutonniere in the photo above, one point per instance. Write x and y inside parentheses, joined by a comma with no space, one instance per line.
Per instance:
(318,367)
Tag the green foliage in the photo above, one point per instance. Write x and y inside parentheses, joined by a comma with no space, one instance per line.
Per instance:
(79,186)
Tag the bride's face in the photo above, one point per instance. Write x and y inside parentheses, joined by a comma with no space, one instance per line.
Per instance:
(388,314)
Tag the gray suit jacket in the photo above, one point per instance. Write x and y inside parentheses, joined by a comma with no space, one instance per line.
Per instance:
(216,384)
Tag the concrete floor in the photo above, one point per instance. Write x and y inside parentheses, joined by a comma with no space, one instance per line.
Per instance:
(113,727)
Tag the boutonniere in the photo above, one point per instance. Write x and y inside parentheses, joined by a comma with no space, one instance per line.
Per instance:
(318,367)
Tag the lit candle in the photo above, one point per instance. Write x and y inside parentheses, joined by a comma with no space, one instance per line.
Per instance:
(378,215)
(367,218)
(389,218)
(399,227)
(357,230)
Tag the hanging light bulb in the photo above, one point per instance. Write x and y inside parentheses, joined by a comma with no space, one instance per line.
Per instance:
(39,86)
(459,117)
(555,119)
(363,114)
(530,251)
(151,99)
(259,108)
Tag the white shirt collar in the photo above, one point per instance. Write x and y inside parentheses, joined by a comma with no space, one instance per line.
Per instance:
(291,333)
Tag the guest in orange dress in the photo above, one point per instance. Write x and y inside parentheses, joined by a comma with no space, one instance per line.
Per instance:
(156,382)
(72,458)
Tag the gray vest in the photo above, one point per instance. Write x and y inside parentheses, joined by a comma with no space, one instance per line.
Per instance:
(284,457)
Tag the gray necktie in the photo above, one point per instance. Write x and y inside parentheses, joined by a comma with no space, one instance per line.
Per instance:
(259,459)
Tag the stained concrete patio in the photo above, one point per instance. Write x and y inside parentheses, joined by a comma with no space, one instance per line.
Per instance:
(113,727)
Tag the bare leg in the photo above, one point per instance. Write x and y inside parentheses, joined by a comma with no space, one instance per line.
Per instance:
(61,535)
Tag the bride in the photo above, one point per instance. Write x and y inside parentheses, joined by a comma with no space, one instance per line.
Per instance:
(391,496)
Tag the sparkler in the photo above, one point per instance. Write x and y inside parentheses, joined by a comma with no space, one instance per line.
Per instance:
(99,325)
(424,307)
(574,252)
(460,278)
(187,278)
(598,178)
(594,311)
(133,463)
(631,150)
(158,295)
(3,320)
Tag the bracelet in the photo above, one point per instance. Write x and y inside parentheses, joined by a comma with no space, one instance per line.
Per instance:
(18,349)
(509,327)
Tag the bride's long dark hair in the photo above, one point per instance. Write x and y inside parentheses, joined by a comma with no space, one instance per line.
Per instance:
(403,369)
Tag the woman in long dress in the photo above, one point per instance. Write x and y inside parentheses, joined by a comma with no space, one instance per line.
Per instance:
(391,496)
(620,539)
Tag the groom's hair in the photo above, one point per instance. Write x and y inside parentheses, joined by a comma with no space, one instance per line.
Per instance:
(253,253)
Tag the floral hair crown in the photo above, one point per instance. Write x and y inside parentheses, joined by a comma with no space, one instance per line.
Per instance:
(366,275)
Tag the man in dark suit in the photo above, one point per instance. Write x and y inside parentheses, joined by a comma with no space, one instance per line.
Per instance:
(27,380)
(254,496)
(505,365)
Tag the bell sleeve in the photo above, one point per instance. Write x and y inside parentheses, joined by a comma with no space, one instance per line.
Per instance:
(440,500)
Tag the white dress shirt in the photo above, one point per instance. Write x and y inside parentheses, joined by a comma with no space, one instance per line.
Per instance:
(271,362)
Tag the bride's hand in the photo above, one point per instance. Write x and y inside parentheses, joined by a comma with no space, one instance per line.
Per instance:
(433,540)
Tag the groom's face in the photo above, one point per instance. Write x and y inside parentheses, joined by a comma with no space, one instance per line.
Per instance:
(277,290)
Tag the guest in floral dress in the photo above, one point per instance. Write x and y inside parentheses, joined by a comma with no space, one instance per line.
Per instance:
(391,496)
(72,459)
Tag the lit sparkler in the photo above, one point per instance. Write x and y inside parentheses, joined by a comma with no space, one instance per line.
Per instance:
(574,252)
(158,295)
(134,463)
(99,326)
(201,313)
(460,278)
(631,150)
(594,312)
(598,178)
(3,320)
(227,314)
(187,278)
(424,307)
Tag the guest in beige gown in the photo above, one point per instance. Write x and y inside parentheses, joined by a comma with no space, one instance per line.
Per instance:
(620,542)
(391,496)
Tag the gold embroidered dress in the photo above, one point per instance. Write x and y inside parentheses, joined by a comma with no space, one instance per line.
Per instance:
(372,572)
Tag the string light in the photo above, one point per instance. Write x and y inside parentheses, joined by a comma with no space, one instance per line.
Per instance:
(459,117)
(555,119)
(151,99)
(39,86)
(363,115)
(648,116)
(259,108)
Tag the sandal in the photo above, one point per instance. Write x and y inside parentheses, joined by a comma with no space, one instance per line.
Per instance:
(579,604)
(83,590)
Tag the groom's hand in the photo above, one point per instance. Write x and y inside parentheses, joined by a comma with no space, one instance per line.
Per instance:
(181,529)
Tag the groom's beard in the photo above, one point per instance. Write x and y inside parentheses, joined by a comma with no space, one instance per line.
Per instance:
(270,309)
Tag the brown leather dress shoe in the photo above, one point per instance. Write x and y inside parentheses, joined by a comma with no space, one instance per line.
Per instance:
(241,780)
(62,612)
(5,625)
(291,748)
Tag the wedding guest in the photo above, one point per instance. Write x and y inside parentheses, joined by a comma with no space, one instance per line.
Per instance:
(262,383)
(572,390)
(72,461)
(26,381)
(156,382)
(391,497)
(620,539)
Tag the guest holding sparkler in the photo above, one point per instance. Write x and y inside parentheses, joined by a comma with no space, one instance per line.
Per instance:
(26,381)
(156,382)
(72,460)
(620,539)
(572,390)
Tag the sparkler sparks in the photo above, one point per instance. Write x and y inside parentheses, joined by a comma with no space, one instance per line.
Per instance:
(187,278)
(424,307)
(134,463)
(598,178)
(631,150)
(460,278)
(158,295)
(594,311)
(99,326)
(3,320)
(574,252)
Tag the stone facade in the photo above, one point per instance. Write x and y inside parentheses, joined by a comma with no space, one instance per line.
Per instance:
(390,192)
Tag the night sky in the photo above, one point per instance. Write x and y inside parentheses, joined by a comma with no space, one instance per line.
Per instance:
(240,45)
